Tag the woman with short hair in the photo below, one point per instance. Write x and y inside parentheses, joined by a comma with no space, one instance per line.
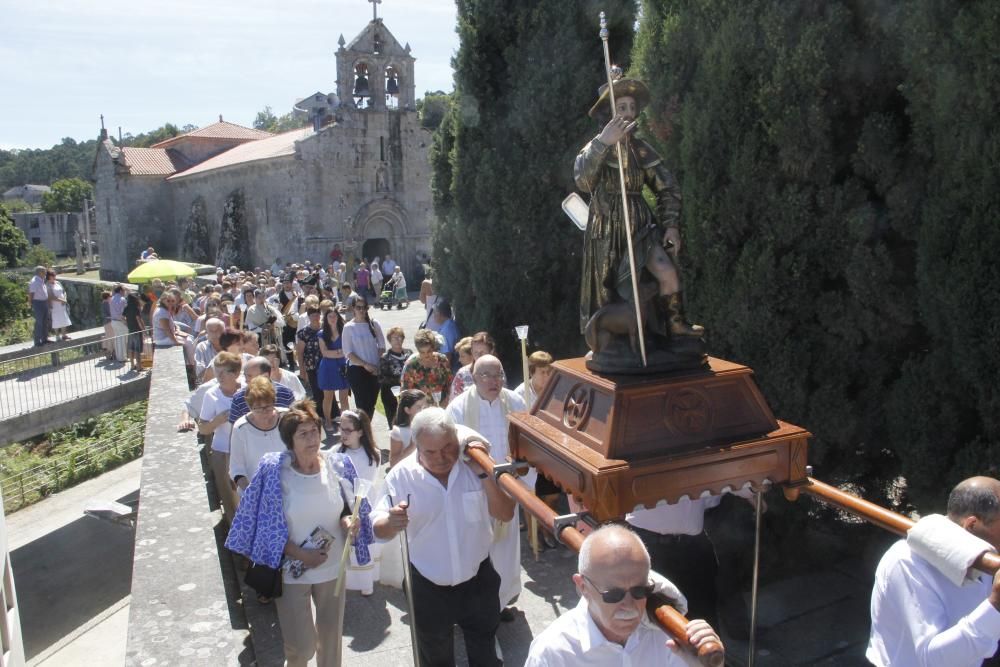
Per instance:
(298,507)
(390,371)
(255,433)
(482,343)
(428,370)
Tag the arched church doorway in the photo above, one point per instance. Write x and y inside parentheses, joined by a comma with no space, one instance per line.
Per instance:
(373,248)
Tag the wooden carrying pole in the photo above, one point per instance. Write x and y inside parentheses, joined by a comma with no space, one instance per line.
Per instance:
(672,621)
(988,562)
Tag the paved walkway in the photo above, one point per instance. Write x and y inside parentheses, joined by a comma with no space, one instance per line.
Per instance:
(43,385)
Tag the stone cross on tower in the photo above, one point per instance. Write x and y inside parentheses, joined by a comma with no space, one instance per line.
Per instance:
(375,4)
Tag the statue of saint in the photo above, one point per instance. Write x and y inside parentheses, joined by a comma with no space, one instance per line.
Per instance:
(607,306)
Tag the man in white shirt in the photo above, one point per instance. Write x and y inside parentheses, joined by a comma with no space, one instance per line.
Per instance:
(446,506)
(610,626)
(388,266)
(38,295)
(484,408)
(118,325)
(919,616)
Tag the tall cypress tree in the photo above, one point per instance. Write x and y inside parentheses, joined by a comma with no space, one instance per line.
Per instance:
(786,128)
(526,73)
(838,166)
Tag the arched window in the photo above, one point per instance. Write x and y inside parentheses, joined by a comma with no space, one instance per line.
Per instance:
(392,86)
(362,91)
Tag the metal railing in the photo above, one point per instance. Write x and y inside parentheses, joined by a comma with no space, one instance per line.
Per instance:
(24,487)
(43,379)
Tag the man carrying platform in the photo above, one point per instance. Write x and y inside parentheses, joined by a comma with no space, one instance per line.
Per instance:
(928,608)
(609,626)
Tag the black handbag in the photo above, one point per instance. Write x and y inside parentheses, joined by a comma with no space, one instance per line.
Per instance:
(263,579)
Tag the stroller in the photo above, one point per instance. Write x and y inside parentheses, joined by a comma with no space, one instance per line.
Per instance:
(391,296)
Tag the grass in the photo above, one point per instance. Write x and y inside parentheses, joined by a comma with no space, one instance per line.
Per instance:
(20,330)
(36,468)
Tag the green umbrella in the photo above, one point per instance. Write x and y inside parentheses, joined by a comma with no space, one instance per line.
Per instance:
(160,268)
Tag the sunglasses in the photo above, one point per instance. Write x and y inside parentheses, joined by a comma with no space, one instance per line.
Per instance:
(616,595)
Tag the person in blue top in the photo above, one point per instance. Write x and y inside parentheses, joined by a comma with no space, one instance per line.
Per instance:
(332,372)
(445,325)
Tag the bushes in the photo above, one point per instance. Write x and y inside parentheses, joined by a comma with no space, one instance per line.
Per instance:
(840,209)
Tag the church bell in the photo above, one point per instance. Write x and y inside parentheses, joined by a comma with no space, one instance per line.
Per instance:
(361,86)
(392,85)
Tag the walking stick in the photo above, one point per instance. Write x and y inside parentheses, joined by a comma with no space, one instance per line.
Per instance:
(621,178)
(404,545)
(522,334)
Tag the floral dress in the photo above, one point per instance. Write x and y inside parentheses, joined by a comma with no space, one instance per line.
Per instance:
(310,353)
(434,380)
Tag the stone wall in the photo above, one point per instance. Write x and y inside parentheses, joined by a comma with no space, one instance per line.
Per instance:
(133,212)
(55,231)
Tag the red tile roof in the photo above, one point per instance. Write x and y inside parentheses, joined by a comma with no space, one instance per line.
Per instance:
(278,145)
(220,130)
(152,161)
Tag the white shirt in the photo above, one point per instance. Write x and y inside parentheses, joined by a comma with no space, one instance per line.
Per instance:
(685,517)
(310,502)
(37,289)
(450,530)
(358,340)
(921,619)
(292,381)
(248,444)
(574,640)
(194,402)
(215,402)
(493,425)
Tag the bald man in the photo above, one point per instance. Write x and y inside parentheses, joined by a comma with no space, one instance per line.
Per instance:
(919,616)
(609,626)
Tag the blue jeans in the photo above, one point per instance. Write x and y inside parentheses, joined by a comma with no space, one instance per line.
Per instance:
(43,320)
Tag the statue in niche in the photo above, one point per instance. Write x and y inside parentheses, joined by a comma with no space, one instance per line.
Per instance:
(381,178)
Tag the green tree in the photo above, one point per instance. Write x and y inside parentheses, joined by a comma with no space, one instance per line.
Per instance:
(147,139)
(525,75)
(12,241)
(269,122)
(840,201)
(67,195)
(432,108)
(16,206)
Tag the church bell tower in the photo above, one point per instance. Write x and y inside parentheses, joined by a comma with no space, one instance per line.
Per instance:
(374,72)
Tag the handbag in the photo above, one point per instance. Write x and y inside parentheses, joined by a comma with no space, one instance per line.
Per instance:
(263,579)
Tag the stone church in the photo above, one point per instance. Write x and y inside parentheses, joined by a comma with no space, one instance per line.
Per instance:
(226,194)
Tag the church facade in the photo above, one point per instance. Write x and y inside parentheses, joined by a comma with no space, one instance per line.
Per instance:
(226,195)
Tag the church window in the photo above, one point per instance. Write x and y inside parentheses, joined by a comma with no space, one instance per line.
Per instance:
(391,88)
(362,91)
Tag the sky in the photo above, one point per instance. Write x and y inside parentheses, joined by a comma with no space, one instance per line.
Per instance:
(144,63)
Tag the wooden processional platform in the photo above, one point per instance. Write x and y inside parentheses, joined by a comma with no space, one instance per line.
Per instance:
(617,442)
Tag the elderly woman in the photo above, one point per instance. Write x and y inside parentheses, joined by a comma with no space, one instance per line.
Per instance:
(429,370)
(282,375)
(390,371)
(58,305)
(297,510)
(376,280)
(166,332)
(255,433)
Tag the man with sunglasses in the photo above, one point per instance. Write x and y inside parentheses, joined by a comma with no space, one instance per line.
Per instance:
(609,626)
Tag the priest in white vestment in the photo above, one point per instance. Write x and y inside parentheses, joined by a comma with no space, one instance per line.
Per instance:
(484,408)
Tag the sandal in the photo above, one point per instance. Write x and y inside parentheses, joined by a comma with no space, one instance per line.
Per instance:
(263,599)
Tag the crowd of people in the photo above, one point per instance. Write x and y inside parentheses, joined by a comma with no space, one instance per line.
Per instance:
(287,416)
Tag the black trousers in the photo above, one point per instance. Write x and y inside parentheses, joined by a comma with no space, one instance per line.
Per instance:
(471,605)
(364,386)
(288,336)
(390,403)
(317,395)
(688,561)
